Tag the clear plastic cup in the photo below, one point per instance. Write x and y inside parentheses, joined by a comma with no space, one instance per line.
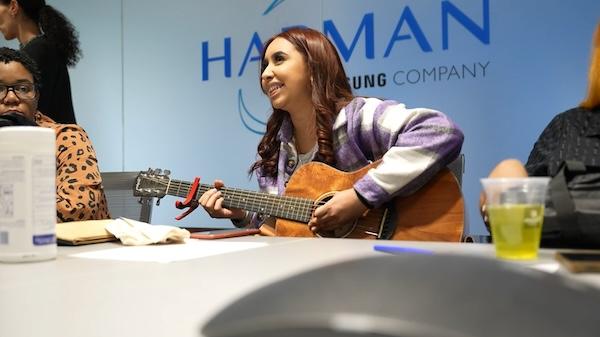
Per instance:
(515,208)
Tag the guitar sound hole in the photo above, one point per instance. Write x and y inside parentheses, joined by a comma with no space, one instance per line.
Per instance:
(339,231)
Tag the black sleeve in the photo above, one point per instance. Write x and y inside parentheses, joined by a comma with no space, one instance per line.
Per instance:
(40,54)
(544,147)
(55,93)
(38,51)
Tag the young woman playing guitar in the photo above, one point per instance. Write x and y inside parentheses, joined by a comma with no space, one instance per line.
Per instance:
(317,118)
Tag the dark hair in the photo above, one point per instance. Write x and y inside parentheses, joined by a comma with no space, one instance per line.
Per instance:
(330,93)
(57,28)
(10,55)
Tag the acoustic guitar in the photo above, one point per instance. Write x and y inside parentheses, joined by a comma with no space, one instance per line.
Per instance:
(433,213)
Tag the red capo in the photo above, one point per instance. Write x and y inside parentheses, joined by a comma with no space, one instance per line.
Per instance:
(190,201)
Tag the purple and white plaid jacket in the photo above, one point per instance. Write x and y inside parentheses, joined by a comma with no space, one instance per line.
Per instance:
(414,144)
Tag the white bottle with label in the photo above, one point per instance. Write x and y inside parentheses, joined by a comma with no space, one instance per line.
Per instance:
(27,194)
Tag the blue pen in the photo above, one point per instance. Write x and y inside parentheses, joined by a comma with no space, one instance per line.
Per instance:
(402,250)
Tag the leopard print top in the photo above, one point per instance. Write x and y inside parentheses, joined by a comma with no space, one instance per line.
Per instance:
(79,193)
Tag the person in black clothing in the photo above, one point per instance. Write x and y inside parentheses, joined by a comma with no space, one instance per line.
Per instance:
(51,41)
(571,135)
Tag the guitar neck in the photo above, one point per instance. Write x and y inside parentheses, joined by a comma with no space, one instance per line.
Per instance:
(291,208)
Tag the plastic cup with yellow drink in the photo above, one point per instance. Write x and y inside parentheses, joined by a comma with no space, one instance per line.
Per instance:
(515,208)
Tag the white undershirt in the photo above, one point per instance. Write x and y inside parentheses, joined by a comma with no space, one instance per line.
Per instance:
(304,158)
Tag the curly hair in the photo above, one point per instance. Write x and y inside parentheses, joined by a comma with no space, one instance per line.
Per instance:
(55,26)
(330,93)
(10,55)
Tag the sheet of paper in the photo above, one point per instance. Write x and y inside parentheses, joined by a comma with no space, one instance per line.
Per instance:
(192,249)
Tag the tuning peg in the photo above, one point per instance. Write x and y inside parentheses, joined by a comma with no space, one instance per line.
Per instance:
(149,170)
(157,171)
(167,172)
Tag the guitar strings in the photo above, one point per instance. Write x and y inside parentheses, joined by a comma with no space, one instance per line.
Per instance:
(375,213)
(291,208)
(205,187)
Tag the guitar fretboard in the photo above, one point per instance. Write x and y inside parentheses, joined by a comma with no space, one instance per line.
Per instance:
(291,208)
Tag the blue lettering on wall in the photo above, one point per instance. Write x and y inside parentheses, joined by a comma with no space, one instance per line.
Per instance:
(366,24)
(482,33)
(226,58)
(256,44)
(366,30)
(408,17)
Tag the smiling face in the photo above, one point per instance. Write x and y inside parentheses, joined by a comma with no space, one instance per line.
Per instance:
(14,73)
(285,77)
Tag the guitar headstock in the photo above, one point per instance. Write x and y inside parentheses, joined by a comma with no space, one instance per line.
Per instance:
(152,183)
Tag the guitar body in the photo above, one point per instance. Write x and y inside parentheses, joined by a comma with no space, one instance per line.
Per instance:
(434,213)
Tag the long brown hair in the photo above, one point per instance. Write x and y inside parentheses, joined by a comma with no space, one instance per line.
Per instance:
(592,100)
(330,93)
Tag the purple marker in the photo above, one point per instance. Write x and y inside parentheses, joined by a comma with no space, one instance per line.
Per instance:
(402,250)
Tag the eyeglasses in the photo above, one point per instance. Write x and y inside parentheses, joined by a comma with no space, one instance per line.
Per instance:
(24,90)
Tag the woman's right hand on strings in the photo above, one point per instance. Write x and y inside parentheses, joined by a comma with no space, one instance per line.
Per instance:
(212,202)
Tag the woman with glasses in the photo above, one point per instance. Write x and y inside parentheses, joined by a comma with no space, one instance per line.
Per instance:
(79,193)
(316,117)
(51,41)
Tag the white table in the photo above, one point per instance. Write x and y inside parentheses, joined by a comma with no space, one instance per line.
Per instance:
(73,296)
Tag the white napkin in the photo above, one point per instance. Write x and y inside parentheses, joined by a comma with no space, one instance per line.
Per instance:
(136,233)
